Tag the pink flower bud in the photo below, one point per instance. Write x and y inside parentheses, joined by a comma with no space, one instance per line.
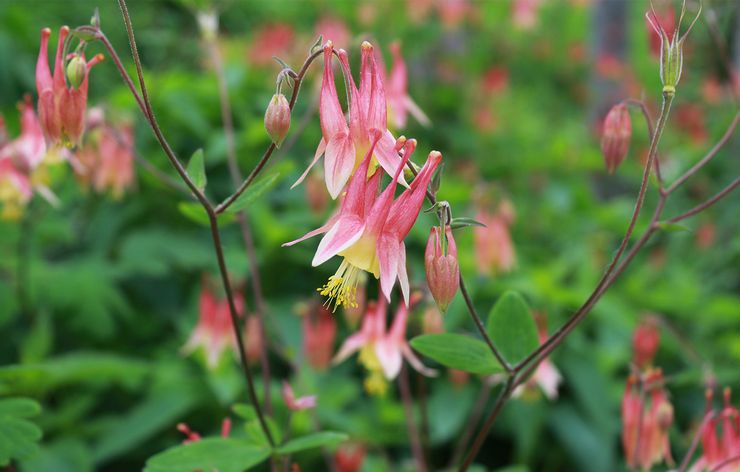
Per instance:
(277,118)
(645,342)
(615,141)
(443,272)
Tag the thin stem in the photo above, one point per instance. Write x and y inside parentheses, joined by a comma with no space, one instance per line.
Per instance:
(408,406)
(650,126)
(475,413)
(502,397)
(708,157)
(703,206)
(228,122)
(695,442)
(266,156)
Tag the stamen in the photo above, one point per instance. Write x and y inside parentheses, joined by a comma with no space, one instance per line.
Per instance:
(341,288)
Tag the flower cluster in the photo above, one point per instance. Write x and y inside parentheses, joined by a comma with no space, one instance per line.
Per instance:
(719,450)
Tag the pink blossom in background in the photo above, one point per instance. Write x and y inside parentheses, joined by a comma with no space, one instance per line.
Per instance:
(494,249)
(271,40)
(525,13)
(333,28)
(720,437)
(319,333)
(296,404)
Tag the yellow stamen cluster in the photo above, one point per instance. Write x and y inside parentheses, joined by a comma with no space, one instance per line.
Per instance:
(341,288)
(375,382)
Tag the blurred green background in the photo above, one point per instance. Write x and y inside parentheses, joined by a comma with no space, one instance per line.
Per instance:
(112,284)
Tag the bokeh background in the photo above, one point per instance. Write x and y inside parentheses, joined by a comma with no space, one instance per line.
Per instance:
(99,294)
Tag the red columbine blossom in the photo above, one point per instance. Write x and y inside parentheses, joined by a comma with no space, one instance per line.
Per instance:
(381,351)
(645,342)
(334,28)
(344,145)
(297,404)
(62,105)
(319,332)
(213,332)
(269,41)
(494,249)
(400,104)
(718,448)
(442,269)
(656,413)
(370,228)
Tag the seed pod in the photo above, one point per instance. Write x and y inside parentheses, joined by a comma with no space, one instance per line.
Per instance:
(277,118)
(615,141)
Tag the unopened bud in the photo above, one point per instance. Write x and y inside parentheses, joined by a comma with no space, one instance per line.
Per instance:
(277,118)
(443,271)
(76,71)
(615,141)
(645,342)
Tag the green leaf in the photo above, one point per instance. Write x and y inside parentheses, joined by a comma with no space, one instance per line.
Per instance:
(464,221)
(194,212)
(512,328)
(221,454)
(257,436)
(310,441)
(458,352)
(18,437)
(197,170)
(253,192)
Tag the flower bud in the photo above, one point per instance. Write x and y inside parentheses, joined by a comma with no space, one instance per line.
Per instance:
(645,342)
(615,140)
(76,71)
(277,118)
(443,272)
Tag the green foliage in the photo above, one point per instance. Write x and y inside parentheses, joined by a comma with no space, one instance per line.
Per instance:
(254,191)
(458,351)
(18,436)
(311,441)
(512,328)
(197,170)
(222,454)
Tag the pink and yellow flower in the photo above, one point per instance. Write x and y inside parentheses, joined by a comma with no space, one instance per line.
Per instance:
(400,104)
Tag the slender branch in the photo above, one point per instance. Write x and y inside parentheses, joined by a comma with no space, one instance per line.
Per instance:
(703,206)
(650,126)
(502,397)
(408,406)
(228,122)
(266,156)
(475,413)
(695,442)
(708,157)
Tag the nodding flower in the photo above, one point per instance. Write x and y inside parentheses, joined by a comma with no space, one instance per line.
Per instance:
(343,144)
(370,228)
(382,352)
(400,104)
(63,96)
(719,448)
(442,269)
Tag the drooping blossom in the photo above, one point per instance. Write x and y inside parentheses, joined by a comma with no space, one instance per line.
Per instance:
(297,404)
(213,332)
(400,104)
(720,447)
(15,190)
(442,269)
(381,352)
(277,118)
(494,249)
(193,436)
(319,332)
(349,457)
(61,104)
(646,421)
(615,140)
(546,377)
(344,145)
(106,160)
(369,230)
(645,341)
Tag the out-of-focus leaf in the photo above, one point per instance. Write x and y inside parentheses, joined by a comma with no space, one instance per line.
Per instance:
(512,328)
(254,191)
(65,455)
(221,454)
(197,170)
(320,439)
(586,446)
(194,212)
(257,435)
(37,342)
(458,352)
(18,436)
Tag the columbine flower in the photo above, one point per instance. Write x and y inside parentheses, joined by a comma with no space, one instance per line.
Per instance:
(319,332)
(719,448)
(213,332)
(344,145)
(61,105)
(277,118)
(656,414)
(15,190)
(494,249)
(440,261)
(193,436)
(297,404)
(369,230)
(645,342)
(400,104)
(106,160)
(381,352)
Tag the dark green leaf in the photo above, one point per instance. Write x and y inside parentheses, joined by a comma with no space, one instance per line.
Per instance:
(18,437)
(253,192)
(323,438)
(221,454)
(457,352)
(197,170)
(512,328)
